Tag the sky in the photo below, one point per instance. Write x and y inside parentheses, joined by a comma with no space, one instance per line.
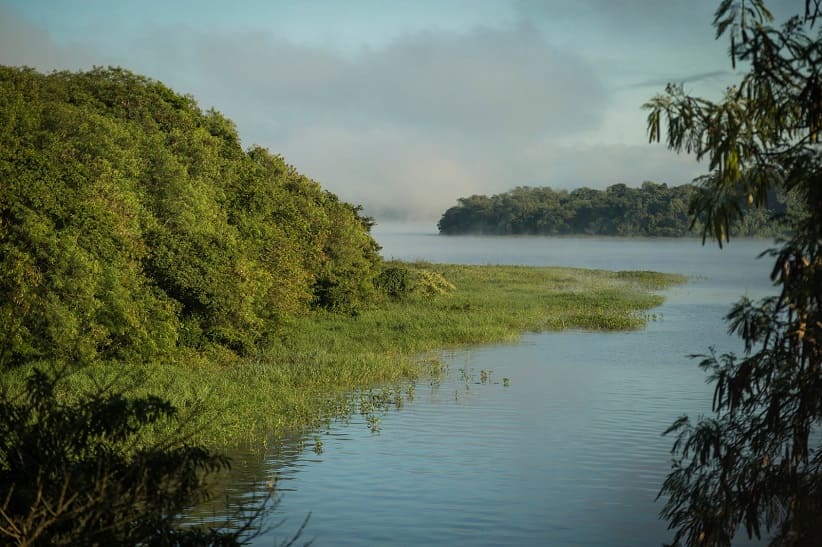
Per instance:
(403,106)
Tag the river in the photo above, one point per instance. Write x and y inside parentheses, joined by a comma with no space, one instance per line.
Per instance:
(560,445)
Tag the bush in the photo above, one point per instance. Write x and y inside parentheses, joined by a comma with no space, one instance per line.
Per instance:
(429,283)
(399,282)
(71,473)
(394,281)
(131,221)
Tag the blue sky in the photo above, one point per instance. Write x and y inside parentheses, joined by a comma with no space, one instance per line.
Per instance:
(404,106)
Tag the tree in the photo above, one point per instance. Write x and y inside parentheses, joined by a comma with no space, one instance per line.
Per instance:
(134,229)
(756,462)
(82,473)
(134,226)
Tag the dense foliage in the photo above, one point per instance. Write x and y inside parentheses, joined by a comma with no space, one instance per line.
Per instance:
(134,229)
(71,474)
(133,223)
(756,463)
(652,210)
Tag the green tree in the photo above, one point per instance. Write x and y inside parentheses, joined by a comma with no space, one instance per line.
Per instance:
(133,225)
(81,473)
(756,462)
(652,210)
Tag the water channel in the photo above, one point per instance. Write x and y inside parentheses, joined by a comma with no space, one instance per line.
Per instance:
(567,451)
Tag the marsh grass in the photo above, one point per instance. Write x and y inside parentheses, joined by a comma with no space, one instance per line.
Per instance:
(306,375)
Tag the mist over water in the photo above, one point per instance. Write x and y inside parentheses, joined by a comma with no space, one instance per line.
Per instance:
(568,453)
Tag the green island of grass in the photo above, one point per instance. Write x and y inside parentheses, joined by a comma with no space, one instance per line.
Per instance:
(303,378)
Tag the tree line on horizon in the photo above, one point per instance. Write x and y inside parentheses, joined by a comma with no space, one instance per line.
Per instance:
(652,210)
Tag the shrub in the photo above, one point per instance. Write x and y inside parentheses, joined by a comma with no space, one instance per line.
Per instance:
(394,281)
(72,473)
(430,283)
(399,282)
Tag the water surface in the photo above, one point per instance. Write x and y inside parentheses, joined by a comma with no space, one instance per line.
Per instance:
(568,453)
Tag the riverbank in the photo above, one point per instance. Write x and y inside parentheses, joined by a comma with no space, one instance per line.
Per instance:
(300,378)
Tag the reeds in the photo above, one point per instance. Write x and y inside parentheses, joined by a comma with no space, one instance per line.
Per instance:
(306,374)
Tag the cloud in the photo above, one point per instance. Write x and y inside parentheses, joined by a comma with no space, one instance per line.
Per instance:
(602,165)
(409,174)
(485,81)
(392,171)
(633,40)
(404,129)
(25,44)
(504,81)
(629,20)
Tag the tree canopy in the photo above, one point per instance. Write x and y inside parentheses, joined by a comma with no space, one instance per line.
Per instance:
(755,464)
(134,228)
(132,222)
(619,210)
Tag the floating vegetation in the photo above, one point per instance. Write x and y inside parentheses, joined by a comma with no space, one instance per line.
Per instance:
(466,375)
(373,423)
(434,367)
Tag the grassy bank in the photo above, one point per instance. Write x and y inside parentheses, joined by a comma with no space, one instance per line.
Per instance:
(300,378)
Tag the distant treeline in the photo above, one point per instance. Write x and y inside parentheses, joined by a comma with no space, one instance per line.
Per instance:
(651,210)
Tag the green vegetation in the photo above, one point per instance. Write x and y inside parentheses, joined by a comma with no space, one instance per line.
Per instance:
(756,462)
(133,227)
(77,474)
(159,286)
(652,210)
(140,244)
(303,375)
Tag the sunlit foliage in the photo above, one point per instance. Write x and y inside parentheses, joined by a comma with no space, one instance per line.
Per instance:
(133,223)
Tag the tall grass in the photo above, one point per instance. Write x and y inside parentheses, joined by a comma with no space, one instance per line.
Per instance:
(302,377)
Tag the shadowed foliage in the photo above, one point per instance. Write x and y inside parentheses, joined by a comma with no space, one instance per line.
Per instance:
(79,473)
(655,210)
(756,463)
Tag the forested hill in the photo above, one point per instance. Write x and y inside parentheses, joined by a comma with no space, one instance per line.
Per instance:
(132,222)
(651,210)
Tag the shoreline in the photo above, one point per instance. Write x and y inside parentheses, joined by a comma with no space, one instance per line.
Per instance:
(306,373)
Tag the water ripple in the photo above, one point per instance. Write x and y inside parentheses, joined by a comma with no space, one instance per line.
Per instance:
(570,453)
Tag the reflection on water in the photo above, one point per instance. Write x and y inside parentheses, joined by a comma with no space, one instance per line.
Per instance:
(569,452)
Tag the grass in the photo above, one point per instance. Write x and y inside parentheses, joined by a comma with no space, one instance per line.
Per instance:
(306,374)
